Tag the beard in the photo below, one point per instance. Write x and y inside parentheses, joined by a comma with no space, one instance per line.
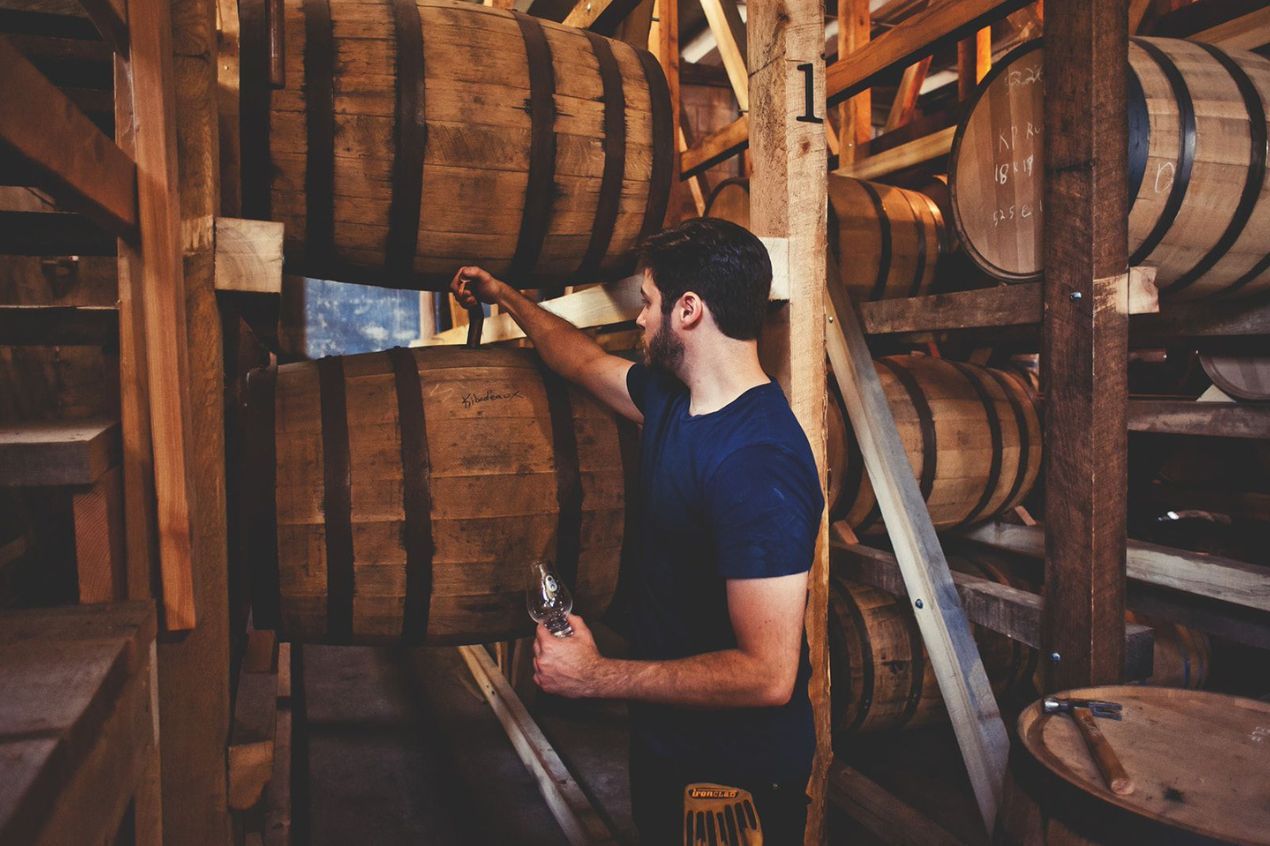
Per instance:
(664,351)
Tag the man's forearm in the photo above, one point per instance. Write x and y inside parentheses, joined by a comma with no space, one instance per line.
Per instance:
(729,678)
(563,347)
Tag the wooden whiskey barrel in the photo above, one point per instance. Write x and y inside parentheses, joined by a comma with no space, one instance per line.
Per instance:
(414,136)
(887,240)
(882,675)
(1198,182)
(401,496)
(1198,763)
(972,435)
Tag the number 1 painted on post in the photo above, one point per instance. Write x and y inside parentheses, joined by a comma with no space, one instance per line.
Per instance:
(809,87)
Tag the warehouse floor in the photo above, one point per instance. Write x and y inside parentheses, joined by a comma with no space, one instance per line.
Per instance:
(404,749)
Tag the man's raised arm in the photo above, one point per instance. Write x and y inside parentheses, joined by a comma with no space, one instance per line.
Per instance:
(564,348)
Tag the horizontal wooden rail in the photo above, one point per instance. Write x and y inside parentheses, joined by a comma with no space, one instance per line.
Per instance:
(1004,609)
(36,325)
(26,233)
(1246,32)
(715,147)
(1203,319)
(916,152)
(1199,573)
(886,816)
(1000,305)
(943,22)
(1187,417)
(65,153)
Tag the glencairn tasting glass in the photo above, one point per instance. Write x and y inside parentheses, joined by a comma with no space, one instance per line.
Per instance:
(548,599)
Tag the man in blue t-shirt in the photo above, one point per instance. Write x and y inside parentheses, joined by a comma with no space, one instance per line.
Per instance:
(730,506)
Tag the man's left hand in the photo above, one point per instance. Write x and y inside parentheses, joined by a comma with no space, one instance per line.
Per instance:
(567,666)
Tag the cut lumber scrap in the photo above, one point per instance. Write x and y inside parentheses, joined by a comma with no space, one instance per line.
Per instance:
(58,452)
(943,22)
(59,325)
(248,255)
(716,147)
(612,303)
(77,723)
(31,233)
(62,150)
(111,20)
(1246,32)
(600,16)
(581,823)
(1004,609)
(1187,417)
(883,814)
(1199,573)
(251,737)
(919,151)
(945,630)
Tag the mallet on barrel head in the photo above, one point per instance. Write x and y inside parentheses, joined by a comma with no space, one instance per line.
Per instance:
(1082,712)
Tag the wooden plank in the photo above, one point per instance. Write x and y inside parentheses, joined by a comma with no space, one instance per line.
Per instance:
(667,52)
(111,20)
(716,147)
(57,452)
(1008,610)
(248,255)
(725,24)
(1199,573)
(26,233)
(1084,353)
(59,325)
(163,302)
(919,151)
(614,302)
(974,60)
(884,815)
(1246,32)
(855,114)
(954,656)
(940,23)
(61,149)
(1137,13)
(789,159)
(905,103)
(100,565)
(1202,320)
(581,823)
(1187,417)
(602,16)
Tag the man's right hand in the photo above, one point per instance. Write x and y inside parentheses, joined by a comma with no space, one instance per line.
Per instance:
(472,284)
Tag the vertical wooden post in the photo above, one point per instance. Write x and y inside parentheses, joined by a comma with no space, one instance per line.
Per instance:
(1085,341)
(788,209)
(855,125)
(974,60)
(194,671)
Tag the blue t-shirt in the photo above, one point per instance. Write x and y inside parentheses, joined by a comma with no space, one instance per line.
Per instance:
(732,494)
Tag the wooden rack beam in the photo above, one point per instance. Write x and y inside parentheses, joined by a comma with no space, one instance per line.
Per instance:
(883,814)
(1198,573)
(111,19)
(63,151)
(1004,609)
(59,325)
(716,147)
(1205,319)
(943,22)
(599,16)
(1187,417)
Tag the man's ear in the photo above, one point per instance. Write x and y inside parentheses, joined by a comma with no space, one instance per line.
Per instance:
(691,309)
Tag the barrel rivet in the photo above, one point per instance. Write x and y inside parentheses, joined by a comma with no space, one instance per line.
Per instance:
(918,603)
(1076,295)
(1055,657)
